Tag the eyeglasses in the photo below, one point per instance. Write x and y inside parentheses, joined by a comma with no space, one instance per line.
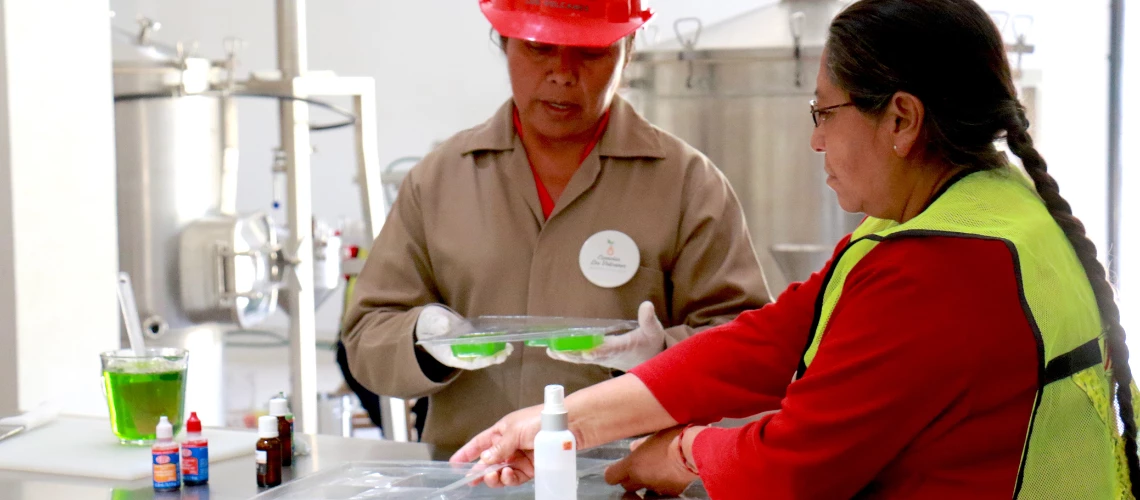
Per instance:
(818,114)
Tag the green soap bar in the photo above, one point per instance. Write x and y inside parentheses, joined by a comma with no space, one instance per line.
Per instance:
(476,350)
(576,343)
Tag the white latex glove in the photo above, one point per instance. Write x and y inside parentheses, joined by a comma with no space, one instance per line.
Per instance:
(437,321)
(625,351)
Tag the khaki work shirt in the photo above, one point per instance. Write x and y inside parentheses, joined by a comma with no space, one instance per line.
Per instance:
(467,230)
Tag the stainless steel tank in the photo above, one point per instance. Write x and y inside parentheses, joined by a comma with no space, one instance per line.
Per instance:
(738,91)
(193,261)
(169,153)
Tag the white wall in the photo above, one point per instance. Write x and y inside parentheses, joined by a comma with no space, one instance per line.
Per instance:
(9,366)
(58,249)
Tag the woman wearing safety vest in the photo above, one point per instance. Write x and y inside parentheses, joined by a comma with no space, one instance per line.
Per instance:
(963,342)
(493,221)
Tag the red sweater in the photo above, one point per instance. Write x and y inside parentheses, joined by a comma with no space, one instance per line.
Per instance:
(922,387)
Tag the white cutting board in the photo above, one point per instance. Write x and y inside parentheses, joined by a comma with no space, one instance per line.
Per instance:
(88,448)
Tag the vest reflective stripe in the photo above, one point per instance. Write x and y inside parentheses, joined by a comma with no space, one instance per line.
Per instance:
(1073,448)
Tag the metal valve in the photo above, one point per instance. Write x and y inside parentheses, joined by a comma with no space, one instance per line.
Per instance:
(147,26)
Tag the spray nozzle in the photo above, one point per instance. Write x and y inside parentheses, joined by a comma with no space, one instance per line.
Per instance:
(554,399)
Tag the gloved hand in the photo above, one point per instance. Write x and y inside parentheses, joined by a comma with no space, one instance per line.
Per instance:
(625,351)
(436,321)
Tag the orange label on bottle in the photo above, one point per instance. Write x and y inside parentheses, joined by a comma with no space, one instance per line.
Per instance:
(167,472)
(567,446)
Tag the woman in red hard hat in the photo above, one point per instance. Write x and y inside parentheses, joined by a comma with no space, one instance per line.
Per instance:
(565,203)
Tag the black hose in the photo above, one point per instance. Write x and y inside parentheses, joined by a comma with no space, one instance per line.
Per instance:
(350,119)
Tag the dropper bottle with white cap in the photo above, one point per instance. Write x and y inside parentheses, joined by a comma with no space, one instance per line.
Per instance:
(555,451)
(165,472)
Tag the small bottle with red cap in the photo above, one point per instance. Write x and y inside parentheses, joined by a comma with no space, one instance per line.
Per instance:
(195,454)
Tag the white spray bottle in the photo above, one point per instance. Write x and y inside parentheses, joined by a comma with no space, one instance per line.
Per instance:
(555,451)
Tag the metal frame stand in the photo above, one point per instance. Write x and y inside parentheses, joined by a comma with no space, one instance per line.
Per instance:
(292,55)
(1115,136)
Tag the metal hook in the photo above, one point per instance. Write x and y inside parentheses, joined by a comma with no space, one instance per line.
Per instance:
(146,27)
(796,23)
(233,47)
(689,44)
(649,38)
(182,67)
(1022,24)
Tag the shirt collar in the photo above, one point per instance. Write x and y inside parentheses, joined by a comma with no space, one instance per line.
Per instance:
(627,135)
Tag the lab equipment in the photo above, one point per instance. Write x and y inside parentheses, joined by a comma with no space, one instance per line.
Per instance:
(166,474)
(195,454)
(327,262)
(228,273)
(200,267)
(130,314)
(176,155)
(268,452)
(279,408)
(174,168)
(140,389)
(555,451)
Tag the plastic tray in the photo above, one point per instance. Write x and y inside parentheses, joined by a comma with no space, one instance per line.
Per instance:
(424,480)
(382,480)
(487,335)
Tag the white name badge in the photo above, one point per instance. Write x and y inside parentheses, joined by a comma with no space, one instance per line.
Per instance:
(609,259)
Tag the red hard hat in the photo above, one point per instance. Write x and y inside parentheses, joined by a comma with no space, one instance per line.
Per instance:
(580,23)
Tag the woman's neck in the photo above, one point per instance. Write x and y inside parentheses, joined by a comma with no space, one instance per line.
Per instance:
(564,153)
(923,190)
(555,160)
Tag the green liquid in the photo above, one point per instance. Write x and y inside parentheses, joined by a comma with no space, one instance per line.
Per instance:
(576,343)
(477,350)
(136,400)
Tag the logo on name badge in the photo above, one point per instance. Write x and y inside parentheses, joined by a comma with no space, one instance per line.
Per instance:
(609,259)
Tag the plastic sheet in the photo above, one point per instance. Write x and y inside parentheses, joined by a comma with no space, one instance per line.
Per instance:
(422,480)
(487,335)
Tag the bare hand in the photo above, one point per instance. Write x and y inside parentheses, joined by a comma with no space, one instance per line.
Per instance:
(509,441)
(654,464)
